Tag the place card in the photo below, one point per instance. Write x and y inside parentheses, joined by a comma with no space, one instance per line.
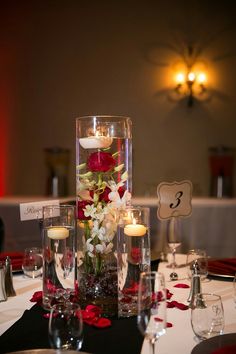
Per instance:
(33,210)
(174,199)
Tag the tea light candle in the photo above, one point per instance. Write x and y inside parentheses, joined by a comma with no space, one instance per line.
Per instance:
(96,142)
(135,230)
(58,233)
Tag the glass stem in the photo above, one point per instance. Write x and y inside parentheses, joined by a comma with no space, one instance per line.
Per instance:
(152,346)
(173,259)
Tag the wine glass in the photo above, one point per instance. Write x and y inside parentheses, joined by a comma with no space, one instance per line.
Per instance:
(65,327)
(207,316)
(174,241)
(152,307)
(32,264)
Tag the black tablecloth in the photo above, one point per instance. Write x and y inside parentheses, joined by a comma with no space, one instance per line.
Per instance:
(31,332)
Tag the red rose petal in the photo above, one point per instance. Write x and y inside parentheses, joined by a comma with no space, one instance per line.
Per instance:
(183,286)
(90,321)
(169,325)
(86,315)
(91,314)
(168,294)
(102,323)
(157,319)
(46,315)
(179,305)
(94,309)
(170,304)
(37,297)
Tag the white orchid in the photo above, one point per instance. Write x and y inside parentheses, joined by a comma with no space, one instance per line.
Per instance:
(89,247)
(117,201)
(103,248)
(95,212)
(100,248)
(98,231)
(109,248)
(114,187)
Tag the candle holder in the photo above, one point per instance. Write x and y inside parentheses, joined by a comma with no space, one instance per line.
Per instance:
(103,188)
(59,257)
(133,256)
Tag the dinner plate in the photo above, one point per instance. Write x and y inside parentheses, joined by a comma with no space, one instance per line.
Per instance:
(212,344)
(221,275)
(222,267)
(47,351)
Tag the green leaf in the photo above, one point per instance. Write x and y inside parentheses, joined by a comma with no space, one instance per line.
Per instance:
(87,174)
(124,176)
(115,154)
(119,168)
(81,166)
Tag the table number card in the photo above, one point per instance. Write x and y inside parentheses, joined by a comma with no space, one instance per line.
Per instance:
(174,199)
(33,210)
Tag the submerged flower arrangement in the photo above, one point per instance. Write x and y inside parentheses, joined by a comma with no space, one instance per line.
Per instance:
(101,193)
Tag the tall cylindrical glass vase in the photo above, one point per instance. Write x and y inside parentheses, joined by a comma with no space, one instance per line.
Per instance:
(103,187)
(59,256)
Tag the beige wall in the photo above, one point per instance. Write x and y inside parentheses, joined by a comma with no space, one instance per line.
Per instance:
(72,58)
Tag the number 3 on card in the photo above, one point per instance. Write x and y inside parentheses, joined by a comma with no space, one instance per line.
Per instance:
(174,199)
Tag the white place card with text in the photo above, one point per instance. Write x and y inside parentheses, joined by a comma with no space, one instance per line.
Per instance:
(33,210)
(174,199)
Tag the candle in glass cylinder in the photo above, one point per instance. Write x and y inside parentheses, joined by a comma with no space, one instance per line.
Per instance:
(135,229)
(58,233)
(96,142)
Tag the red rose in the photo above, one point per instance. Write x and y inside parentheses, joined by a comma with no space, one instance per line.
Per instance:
(136,254)
(104,196)
(81,204)
(101,161)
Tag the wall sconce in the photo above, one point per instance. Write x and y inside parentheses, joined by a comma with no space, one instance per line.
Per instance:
(191,84)
(190,77)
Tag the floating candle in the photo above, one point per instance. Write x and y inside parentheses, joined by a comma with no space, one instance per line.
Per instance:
(96,142)
(58,233)
(135,230)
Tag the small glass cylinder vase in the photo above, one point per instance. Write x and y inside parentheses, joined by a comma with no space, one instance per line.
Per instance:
(133,256)
(59,256)
(103,187)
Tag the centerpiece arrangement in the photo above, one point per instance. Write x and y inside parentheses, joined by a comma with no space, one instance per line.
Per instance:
(103,188)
